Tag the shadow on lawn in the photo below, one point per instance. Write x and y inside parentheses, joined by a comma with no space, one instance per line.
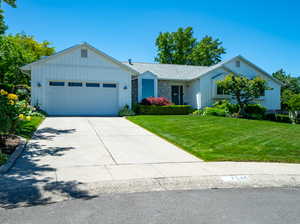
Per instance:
(28,182)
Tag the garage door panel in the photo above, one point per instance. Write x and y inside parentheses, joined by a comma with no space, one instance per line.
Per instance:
(66,100)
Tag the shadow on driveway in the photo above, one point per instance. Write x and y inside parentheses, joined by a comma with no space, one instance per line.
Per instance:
(29,183)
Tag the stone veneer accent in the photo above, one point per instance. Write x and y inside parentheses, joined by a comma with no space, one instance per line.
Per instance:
(164,89)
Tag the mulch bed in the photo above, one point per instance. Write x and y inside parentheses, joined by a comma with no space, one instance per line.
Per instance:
(8,143)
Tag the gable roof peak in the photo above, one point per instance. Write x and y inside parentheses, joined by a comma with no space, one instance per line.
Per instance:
(67,50)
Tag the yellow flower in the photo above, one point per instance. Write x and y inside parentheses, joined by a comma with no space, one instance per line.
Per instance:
(21,116)
(12,96)
(3,92)
(11,102)
(28,118)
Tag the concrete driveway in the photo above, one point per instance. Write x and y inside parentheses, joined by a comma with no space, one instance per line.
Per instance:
(91,149)
(103,141)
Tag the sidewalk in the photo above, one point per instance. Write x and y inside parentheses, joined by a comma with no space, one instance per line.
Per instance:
(46,187)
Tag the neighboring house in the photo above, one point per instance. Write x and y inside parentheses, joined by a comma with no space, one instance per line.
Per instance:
(82,80)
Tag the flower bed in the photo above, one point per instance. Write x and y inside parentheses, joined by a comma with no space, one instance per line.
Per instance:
(14,114)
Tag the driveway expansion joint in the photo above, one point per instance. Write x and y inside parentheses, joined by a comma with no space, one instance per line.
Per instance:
(100,139)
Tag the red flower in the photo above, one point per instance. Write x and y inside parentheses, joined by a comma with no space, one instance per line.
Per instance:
(157,101)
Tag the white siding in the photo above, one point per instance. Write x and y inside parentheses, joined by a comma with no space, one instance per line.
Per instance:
(207,88)
(271,100)
(194,94)
(71,67)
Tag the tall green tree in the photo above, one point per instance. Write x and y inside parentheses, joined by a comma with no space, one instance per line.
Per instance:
(16,51)
(181,47)
(207,52)
(242,89)
(3,27)
(291,86)
(175,47)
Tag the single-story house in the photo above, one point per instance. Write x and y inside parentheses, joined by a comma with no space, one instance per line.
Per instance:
(82,80)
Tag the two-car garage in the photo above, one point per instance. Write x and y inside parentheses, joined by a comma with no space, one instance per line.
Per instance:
(76,98)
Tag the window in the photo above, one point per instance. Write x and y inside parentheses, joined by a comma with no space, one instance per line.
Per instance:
(90,84)
(262,93)
(84,53)
(238,64)
(109,85)
(147,88)
(75,84)
(220,90)
(56,83)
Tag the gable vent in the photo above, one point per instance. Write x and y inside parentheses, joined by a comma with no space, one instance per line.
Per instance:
(84,53)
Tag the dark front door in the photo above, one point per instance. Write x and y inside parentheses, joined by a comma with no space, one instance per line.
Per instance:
(177,95)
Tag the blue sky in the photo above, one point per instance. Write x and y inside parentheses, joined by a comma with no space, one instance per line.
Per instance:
(267,32)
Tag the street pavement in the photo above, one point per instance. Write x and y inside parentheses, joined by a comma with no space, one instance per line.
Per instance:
(217,206)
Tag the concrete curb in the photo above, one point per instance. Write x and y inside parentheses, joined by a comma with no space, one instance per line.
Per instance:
(188,183)
(13,157)
(56,192)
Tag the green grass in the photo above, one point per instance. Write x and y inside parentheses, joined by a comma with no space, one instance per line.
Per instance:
(27,128)
(227,139)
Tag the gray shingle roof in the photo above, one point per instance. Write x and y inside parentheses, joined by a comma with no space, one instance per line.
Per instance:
(170,71)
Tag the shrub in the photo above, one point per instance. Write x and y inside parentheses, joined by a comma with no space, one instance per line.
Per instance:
(165,110)
(255,111)
(279,117)
(229,107)
(214,111)
(136,108)
(198,113)
(12,111)
(270,116)
(23,91)
(126,111)
(157,101)
(7,87)
(3,158)
(283,118)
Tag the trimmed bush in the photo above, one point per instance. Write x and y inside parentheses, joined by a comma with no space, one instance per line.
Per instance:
(157,101)
(278,117)
(255,111)
(229,107)
(214,111)
(165,110)
(283,118)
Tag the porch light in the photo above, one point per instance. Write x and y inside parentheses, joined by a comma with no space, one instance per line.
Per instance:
(39,84)
(125,87)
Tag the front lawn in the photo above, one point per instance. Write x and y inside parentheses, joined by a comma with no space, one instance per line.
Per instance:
(27,128)
(227,139)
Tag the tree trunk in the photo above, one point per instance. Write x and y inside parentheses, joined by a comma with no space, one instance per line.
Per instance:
(241,105)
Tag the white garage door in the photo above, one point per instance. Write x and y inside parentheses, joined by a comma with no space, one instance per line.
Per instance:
(82,98)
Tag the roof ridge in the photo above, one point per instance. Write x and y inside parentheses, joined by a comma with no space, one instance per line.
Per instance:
(164,64)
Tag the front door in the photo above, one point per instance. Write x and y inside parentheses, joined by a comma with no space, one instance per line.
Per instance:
(177,95)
